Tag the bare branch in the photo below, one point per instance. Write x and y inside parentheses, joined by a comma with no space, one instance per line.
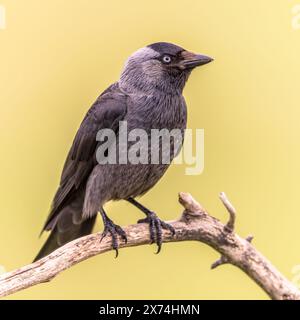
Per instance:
(219,262)
(232,212)
(249,238)
(195,224)
(223,259)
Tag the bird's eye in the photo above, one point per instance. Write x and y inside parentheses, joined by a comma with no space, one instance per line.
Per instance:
(166,59)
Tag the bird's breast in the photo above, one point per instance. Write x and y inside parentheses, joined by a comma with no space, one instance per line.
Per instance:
(157,112)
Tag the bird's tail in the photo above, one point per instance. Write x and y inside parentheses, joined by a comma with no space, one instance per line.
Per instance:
(67,226)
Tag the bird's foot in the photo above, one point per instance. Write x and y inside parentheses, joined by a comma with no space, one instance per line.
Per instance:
(114,230)
(155,226)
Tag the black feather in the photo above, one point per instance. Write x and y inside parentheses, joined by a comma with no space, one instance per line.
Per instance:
(65,217)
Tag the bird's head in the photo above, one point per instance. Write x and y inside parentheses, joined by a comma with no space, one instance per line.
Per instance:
(160,66)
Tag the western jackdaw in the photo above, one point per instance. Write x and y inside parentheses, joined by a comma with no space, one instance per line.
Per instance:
(147,96)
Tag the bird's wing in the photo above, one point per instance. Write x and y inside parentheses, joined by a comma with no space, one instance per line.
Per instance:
(106,112)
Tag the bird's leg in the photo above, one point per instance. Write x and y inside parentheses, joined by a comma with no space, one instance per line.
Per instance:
(113,229)
(155,224)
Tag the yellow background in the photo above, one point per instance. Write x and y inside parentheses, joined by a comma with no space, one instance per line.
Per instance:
(58,56)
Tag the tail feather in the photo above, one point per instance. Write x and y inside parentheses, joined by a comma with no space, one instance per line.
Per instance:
(66,223)
(59,237)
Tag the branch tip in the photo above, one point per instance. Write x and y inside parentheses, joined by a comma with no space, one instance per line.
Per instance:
(219,262)
(231,210)
(192,207)
(249,238)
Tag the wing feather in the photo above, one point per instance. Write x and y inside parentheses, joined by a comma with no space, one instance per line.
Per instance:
(106,112)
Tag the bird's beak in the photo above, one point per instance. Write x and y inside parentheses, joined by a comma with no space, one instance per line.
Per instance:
(192,60)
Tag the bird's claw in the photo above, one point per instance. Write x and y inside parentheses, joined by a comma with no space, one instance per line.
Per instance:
(155,226)
(114,231)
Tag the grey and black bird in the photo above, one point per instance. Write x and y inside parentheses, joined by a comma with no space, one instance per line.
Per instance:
(147,96)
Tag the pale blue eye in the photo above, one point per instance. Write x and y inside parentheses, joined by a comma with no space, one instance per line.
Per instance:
(166,59)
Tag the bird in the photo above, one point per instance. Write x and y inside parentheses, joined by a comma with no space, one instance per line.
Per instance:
(148,95)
